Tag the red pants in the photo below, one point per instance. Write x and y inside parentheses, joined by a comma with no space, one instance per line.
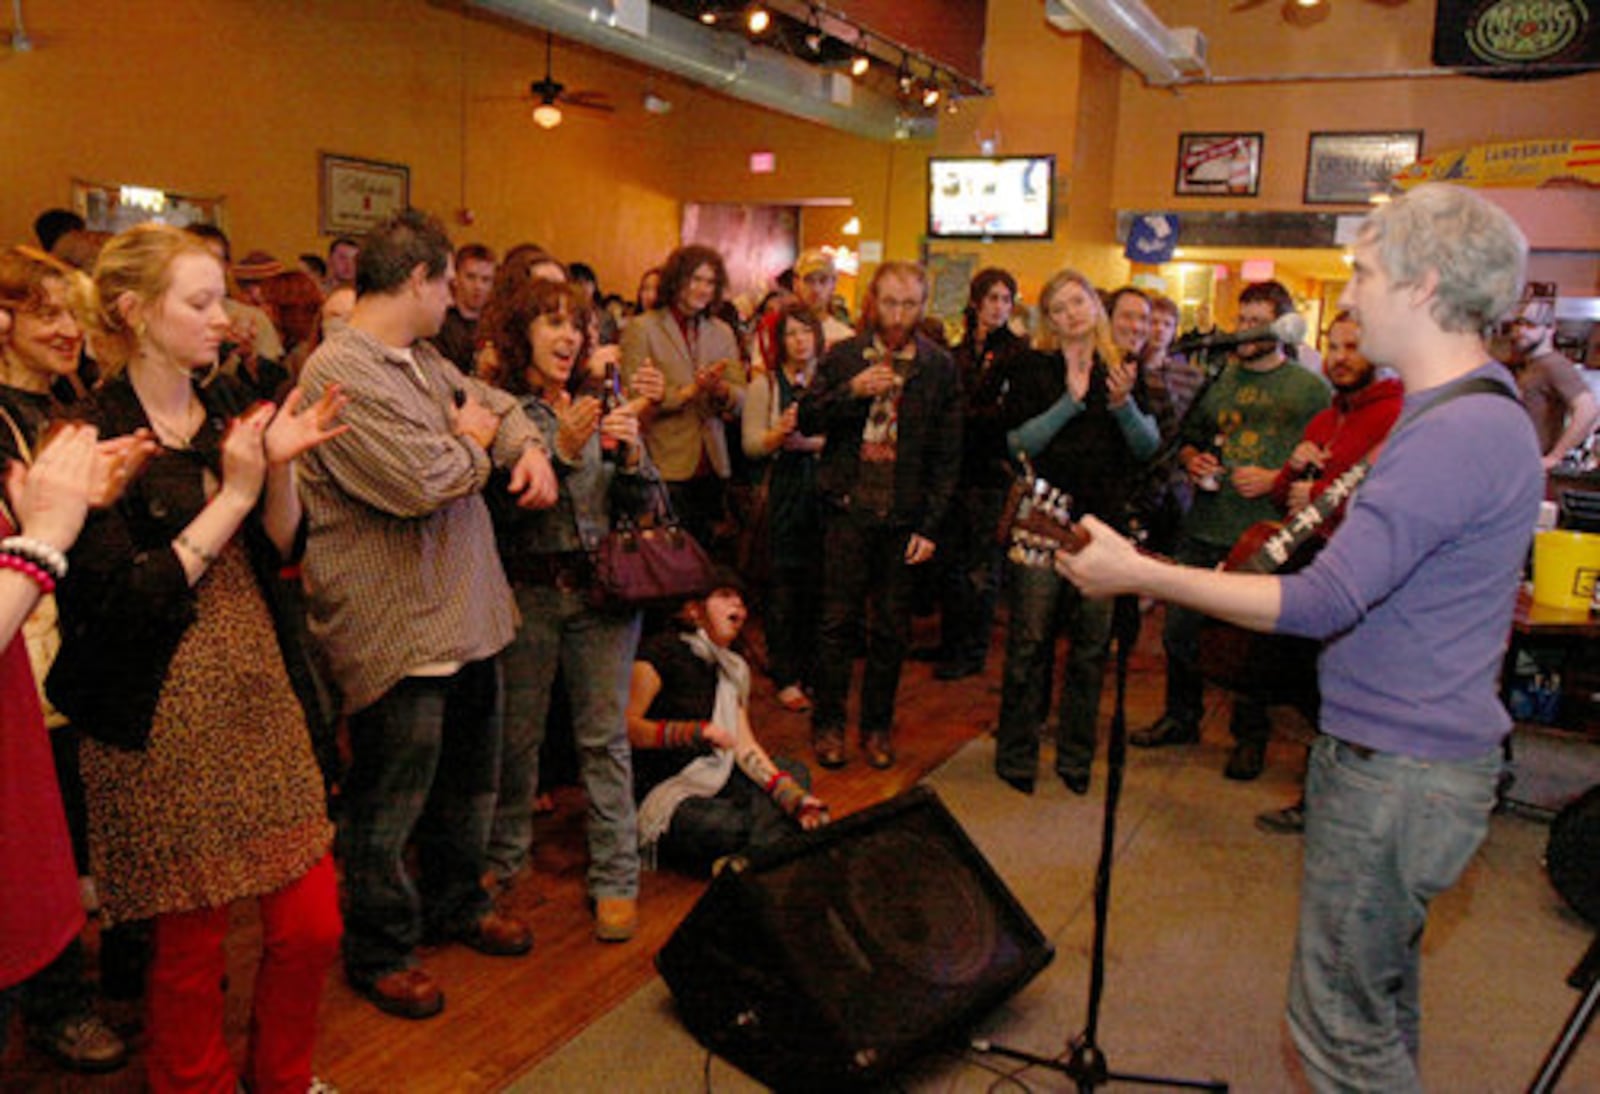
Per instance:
(300,929)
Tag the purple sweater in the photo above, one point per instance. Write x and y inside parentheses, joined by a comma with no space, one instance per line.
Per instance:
(1415,591)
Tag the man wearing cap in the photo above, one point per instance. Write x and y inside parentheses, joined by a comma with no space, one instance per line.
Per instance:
(1561,405)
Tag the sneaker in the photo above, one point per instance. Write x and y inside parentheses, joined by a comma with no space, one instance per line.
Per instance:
(1167,730)
(1288,821)
(1246,761)
(616,918)
(85,1044)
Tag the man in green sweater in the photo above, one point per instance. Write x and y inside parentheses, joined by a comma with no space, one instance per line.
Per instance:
(1234,443)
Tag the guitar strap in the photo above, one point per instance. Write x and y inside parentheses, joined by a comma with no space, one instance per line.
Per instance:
(1281,546)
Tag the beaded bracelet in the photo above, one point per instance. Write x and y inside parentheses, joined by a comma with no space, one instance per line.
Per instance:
(195,549)
(680,734)
(38,552)
(41,578)
(786,793)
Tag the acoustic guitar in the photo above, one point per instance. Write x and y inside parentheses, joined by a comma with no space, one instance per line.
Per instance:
(1274,668)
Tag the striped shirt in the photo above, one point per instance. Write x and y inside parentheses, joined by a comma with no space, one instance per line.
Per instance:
(400,566)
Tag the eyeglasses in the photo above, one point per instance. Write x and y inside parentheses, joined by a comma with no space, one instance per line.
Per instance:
(889,303)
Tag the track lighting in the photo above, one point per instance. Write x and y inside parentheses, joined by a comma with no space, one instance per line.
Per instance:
(859,64)
(930,94)
(758,19)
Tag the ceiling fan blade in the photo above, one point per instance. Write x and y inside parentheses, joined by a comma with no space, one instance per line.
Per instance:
(593,100)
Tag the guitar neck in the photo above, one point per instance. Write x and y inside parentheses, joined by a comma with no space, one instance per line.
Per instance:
(1276,551)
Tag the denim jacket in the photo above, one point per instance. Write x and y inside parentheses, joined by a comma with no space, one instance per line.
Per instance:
(581,516)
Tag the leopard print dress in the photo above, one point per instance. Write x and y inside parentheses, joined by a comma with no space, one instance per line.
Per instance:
(226,801)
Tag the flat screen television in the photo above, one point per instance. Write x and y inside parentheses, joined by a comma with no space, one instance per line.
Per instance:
(987,197)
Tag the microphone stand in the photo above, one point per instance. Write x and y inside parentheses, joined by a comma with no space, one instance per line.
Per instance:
(1086,1064)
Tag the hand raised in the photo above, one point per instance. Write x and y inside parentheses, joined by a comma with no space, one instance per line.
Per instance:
(648,383)
(576,421)
(298,429)
(117,463)
(244,453)
(51,498)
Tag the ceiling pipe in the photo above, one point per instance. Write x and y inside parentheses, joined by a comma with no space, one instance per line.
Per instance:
(722,61)
(1162,55)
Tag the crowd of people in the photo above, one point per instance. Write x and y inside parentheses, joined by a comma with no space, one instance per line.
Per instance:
(253,508)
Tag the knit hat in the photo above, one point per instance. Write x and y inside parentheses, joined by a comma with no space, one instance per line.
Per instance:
(257,266)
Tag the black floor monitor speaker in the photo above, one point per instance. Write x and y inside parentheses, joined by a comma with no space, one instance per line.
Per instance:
(835,958)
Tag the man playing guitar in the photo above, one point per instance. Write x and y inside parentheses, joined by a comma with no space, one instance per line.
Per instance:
(1413,596)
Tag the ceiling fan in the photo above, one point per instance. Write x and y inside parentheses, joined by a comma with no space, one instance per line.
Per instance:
(551,96)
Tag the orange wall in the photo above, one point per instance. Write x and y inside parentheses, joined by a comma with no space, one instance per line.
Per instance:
(1353,37)
(236,98)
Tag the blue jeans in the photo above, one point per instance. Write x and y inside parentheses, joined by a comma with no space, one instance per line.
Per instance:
(1385,834)
(424,763)
(1043,605)
(595,651)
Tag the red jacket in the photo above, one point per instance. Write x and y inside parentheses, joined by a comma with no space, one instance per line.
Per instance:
(1350,429)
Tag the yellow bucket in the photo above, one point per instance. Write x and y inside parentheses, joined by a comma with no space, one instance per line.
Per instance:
(1565,566)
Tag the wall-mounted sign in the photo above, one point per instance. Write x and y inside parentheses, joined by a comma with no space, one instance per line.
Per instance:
(1349,168)
(1514,35)
(1219,164)
(1514,164)
(355,194)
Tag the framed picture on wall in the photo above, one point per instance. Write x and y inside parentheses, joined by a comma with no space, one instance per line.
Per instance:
(1219,164)
(1349,168)
(354,194)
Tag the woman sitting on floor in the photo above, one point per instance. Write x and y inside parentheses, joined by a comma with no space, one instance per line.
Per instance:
(707,787)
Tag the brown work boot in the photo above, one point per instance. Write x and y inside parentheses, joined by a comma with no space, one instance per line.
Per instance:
(616,918)
(495,934)
(404,993)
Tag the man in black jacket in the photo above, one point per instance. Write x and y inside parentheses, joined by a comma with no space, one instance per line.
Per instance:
(889,402)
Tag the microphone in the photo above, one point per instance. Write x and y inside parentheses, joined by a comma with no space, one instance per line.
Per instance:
(1289,327)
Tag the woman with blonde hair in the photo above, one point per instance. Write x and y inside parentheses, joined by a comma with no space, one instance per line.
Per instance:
(200,781)
(1075,410)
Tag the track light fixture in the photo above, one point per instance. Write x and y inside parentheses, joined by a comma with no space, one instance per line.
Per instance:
(904,76)
(931,93)
(757,19)
(859,64)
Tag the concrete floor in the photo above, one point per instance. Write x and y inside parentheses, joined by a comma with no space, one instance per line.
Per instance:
(1201,931)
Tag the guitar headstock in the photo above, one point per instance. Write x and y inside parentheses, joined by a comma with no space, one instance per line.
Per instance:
(1042,524)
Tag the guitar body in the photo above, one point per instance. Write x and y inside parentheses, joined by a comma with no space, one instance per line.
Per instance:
(1274,668)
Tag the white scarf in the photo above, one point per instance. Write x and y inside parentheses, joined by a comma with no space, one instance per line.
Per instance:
(705,776)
